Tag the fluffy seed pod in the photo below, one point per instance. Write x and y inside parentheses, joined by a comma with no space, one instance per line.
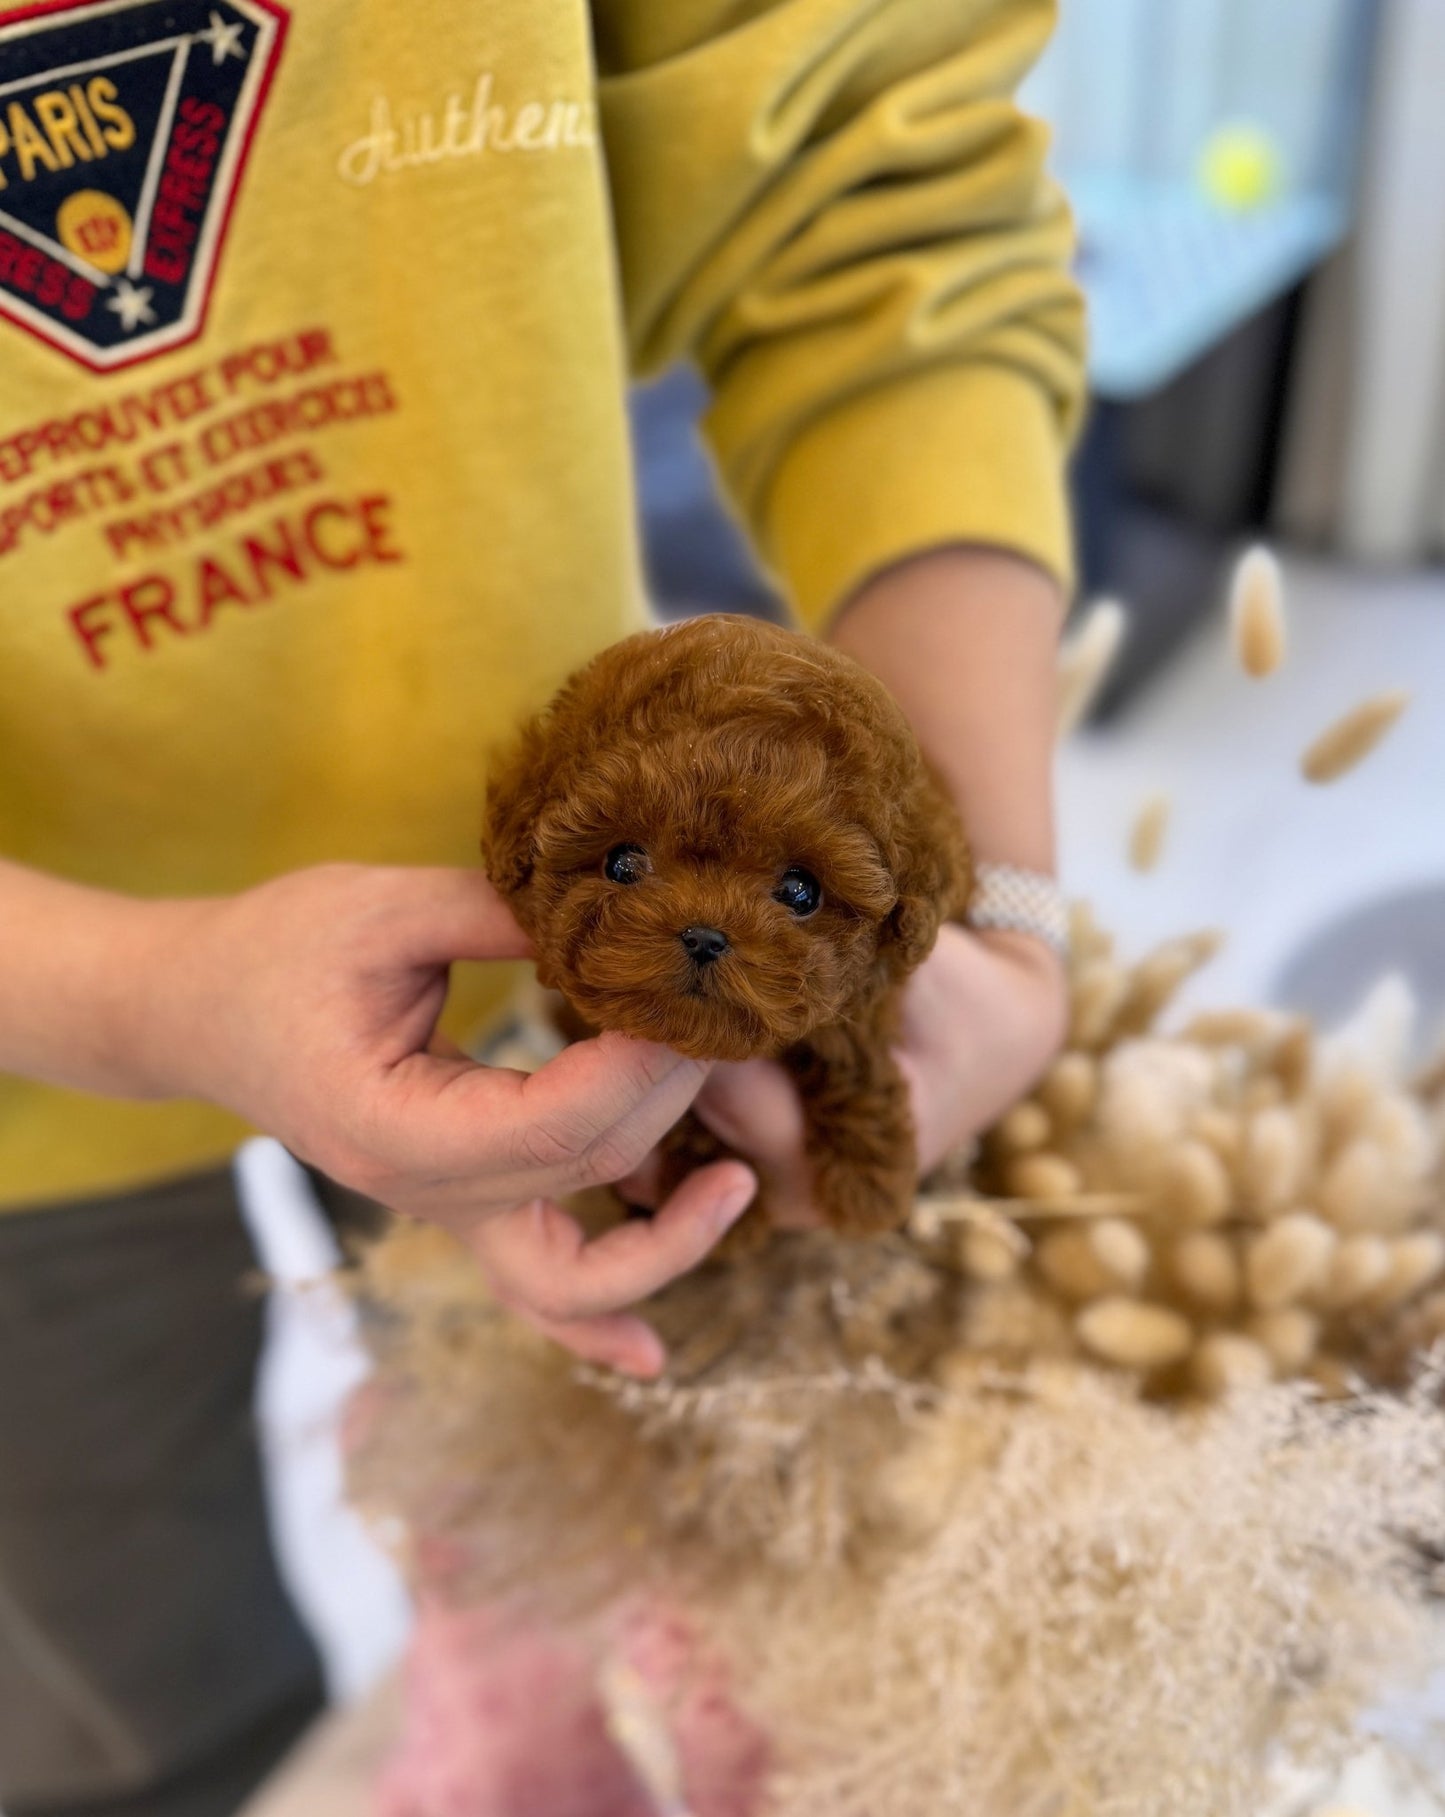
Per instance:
(1157,978)
(1134,1335)
(1415,1261)
(1042,1176)
(992,1252)
(1290,1335)
(1403,1132)
(1194,1185)
(1291,1059)
(1230,1028)
(1355,1189)
(1351,738)
(1024,1127)
(1287,1260)
(1222,1132)
(1100,988)
(1146,836)
(1356,1269)
(1348,1101)
(1149,1095)
(1269,1168)
(1087,940)
(1265,1092)
(1227,1362)
(1121,1250)
(1085,658)
(1256,613)
(1205,1268)
(1069,1088)
(1070,1264)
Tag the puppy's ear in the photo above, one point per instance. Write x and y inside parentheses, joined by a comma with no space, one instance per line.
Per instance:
(519,786)
(934,874)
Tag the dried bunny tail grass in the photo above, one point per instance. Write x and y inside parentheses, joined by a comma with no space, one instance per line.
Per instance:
(1256,612)
(790,1377)
(1292,1059)
(1358,1266)
(1204,1266)
(1085,658)
(1099,988)
(1130,1646)
(1025,1127)
(1100,1257)
(1042,1176)
(1375,1043)
(1132,1334)
(1243,1174)
(958,1564)
(1194,1185)
(1290,1335)
(993,1252)
(1087,939)
(1270,1170)
(1226,1363)
(1415,1262)
(1352,738)
(944,1585)
(1284,1263)
(1146,836)
(1158,977)
(1068,1090)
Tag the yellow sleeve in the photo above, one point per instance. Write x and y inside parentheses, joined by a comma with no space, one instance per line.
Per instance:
(837,210)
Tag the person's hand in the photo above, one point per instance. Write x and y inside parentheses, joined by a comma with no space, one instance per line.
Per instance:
(982,1017)
(309,1006)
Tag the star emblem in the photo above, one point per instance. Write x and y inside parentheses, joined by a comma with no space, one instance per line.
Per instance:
(224,40)
(132,305)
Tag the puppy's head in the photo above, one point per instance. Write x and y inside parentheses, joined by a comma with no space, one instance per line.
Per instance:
(722,836)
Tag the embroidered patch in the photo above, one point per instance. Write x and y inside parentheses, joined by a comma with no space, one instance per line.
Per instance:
(124,128)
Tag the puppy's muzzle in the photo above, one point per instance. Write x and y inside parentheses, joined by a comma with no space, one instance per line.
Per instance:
(704,944)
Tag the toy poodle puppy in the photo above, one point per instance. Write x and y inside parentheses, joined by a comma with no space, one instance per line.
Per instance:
(723,836)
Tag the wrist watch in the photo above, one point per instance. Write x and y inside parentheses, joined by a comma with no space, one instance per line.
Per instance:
(1025,902)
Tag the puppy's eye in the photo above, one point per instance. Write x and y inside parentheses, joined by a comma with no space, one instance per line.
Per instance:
(799,891)
(626,864)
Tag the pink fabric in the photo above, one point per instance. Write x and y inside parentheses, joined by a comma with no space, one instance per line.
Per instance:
(504,1719)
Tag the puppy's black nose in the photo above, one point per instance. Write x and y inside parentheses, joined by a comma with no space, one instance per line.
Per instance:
(704,944)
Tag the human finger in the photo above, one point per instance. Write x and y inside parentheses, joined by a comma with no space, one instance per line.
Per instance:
(601,1105)
(538,1257)
(755,1108)
(450,913)
(618,1340)
(587,1117)
(643,1186)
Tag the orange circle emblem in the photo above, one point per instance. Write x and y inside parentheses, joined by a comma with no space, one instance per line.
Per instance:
(96,228)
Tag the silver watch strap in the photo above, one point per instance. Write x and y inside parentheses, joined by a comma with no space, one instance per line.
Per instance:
(1028,902)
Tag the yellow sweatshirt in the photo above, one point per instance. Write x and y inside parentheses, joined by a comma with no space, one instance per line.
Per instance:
(315,321)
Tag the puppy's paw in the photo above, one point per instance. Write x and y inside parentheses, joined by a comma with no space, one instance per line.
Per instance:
(862,1201)
(750,1236)
(689,1145)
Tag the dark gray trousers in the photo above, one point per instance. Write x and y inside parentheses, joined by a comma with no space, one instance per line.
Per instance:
(151,1664)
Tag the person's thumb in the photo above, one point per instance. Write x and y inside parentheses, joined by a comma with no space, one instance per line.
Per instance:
(456,914)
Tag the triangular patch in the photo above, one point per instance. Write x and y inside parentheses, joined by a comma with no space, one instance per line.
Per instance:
(124,127)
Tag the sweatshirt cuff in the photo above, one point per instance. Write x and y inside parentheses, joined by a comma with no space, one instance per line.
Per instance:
(952,454)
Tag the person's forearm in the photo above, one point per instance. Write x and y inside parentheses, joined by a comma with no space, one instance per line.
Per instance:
(966,641)
(75,964)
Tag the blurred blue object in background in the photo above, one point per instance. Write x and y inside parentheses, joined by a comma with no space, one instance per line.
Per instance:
(1209,147)
(697,558)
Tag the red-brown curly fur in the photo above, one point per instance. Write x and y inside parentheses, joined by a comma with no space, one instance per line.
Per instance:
(730,750)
